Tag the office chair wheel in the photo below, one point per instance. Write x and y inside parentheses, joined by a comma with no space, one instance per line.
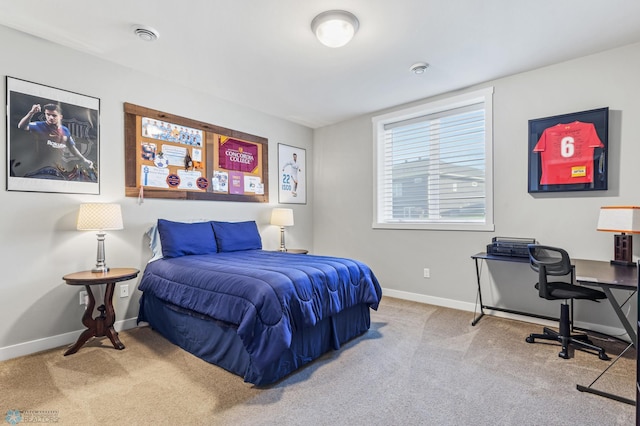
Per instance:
(603,356)
(530,339)
(563,354)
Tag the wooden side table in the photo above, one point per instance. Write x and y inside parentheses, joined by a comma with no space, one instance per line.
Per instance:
(297,251)
(101,325)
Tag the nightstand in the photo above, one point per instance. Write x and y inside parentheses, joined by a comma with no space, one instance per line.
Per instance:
(101,325)
(297,251)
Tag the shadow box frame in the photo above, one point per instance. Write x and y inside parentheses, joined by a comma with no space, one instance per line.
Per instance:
(209,166)
(596,166)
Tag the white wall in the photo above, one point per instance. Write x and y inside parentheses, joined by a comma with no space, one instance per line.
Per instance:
(39,243)
(343,192)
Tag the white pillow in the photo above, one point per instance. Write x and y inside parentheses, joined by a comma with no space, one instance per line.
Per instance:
(154,242)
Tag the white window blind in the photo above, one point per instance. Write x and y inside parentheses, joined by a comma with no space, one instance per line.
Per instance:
(433,165)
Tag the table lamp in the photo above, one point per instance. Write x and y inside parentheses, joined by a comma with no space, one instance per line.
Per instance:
(624,220)
(99,217)
(282,218)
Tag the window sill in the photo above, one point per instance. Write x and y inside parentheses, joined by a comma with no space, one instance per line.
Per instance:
(436,226)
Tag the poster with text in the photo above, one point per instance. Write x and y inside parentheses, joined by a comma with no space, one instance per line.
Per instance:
(291,175)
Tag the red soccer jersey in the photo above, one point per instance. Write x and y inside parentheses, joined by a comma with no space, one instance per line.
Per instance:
(566,151)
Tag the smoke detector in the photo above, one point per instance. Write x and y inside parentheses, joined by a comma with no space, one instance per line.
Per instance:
(146,33)
(419,68)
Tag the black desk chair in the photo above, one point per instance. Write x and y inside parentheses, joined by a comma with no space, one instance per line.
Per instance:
(552,261)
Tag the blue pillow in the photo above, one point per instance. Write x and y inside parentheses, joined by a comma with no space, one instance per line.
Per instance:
(182,239)
(236,236)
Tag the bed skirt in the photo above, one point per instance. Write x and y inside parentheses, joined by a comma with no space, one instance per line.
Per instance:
(218,343)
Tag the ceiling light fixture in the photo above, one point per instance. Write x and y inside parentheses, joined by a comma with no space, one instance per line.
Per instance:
(419,68)
(335,28)
(146,33)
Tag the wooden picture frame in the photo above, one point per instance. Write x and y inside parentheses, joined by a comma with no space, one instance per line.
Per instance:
(168,156)
(569,152)
(292,183)
(53,139)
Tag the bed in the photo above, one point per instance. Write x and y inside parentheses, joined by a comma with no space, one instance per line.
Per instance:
(211,289)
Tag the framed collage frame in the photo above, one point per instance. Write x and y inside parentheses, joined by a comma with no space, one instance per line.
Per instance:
(569,152)
(53,139)
(168,156)
(292,183)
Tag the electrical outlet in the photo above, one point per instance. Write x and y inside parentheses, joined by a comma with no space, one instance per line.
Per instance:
(427,273)
(124,290)
(84,298)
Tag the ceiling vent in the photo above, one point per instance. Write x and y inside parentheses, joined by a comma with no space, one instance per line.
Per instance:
(146,33)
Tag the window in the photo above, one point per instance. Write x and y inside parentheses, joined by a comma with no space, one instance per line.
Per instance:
(433,165)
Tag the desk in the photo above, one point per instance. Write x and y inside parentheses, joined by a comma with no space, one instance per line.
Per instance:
(479,257)
(607,276)
(590,273)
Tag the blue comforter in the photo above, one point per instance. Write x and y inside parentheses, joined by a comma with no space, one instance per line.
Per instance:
(267,295)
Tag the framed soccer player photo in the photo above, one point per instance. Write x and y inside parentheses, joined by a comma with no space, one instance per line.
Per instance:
(569,152)
(291,175)
(53,139)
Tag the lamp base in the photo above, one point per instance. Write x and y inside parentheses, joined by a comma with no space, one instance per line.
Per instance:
(100,264)
(623,250)
(282,247)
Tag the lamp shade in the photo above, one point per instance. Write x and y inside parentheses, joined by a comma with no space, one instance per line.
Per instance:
(335,28)
(282,217)
(99,217)
(621,219)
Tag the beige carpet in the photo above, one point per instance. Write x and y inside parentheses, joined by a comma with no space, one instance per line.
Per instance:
(418,365)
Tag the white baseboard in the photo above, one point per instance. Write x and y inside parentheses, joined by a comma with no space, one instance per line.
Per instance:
(471,307)
(457,304)
(430,300)
(52,342)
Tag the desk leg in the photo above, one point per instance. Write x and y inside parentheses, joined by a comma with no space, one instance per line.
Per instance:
(623,319)
(634,340)
(479,298)
(589,389)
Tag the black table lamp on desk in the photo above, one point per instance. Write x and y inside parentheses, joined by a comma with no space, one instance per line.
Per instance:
(625,220)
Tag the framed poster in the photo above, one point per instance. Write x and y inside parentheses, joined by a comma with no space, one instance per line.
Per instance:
(291,175)
(168,156)
(53,139)
(569,152)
